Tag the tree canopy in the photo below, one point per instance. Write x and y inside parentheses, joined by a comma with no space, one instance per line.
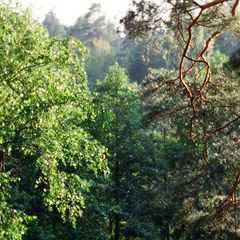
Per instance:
(45,151)
(131,136)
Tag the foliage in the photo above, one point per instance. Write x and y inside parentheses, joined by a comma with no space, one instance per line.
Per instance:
(53,25)
(44,101)
(123,161)
(102,56)
(13,221)
(196,103)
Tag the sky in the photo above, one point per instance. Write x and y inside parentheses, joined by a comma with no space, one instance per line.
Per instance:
(68,11)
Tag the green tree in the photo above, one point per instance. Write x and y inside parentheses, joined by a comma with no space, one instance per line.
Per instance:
(54,27)
(44,102)
(93,25)
(136,158)
(118,113)
(102,56)
(199,103)
(100,37)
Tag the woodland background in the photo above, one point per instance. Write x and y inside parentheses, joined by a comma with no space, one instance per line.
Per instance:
(100,137)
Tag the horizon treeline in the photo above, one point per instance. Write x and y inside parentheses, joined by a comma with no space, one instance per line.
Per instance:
(108,45)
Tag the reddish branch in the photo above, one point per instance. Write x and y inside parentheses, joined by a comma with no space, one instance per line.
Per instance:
(234,8)
(231,201)
(195,11)
(196,96)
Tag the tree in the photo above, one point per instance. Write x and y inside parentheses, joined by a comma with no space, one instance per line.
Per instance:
(136,157)
(92,26)
(118,112)
(53,25)
(100,37)
(203,104)
(102,56)
(47,157)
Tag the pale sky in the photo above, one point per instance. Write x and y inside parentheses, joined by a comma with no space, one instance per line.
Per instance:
(68,11)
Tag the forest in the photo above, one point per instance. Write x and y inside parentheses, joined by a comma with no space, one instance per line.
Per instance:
(126,132)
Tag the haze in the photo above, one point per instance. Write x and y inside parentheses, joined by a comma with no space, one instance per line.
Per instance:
(68,11)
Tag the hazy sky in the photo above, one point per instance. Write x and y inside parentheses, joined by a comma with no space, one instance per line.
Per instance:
(68,11)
